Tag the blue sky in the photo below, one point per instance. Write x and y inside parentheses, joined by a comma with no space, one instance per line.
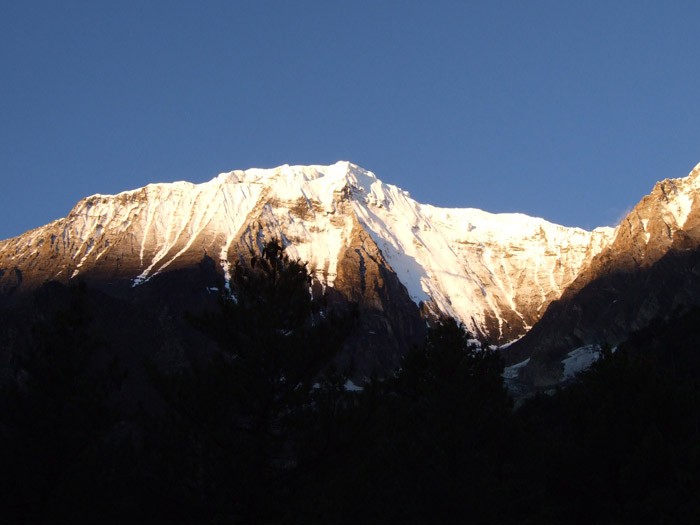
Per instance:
(564,110)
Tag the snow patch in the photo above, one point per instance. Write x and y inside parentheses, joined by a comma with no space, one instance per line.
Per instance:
(684,205)
(512,372)
(580,359)
(352,387)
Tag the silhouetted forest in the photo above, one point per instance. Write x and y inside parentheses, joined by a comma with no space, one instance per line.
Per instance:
(265,429)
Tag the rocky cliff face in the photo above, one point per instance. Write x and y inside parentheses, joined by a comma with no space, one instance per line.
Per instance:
(363,240)
(666,219)
(369,244)
(651,268)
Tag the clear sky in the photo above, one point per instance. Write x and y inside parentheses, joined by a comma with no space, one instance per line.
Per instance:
(567,110)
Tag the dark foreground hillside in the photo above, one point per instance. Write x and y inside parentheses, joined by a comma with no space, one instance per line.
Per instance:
(259,426)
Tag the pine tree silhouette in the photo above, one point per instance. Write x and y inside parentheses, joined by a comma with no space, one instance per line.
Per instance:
(57,413)
(245,418)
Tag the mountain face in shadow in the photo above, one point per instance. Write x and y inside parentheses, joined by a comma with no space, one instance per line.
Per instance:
(649,270)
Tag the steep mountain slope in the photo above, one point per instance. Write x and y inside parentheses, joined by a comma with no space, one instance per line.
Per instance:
(650,269)
(364,241)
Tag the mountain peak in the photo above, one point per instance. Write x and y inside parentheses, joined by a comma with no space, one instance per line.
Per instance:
(455,262)
(695,173)
(341,170)
(672,199)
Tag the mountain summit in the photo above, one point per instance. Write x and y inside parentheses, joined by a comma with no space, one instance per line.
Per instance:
(562,293)
(648,270)
(497,273)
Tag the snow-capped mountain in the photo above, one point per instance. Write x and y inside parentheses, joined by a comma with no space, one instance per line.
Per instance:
(650,269)
(497,273)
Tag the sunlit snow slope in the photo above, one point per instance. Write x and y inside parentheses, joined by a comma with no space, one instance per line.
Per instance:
(494,272)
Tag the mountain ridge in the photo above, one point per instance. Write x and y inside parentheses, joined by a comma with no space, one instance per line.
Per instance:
(494,272)
(649,270)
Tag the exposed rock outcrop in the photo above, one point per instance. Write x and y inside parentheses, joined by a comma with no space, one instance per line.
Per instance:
(650,269)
